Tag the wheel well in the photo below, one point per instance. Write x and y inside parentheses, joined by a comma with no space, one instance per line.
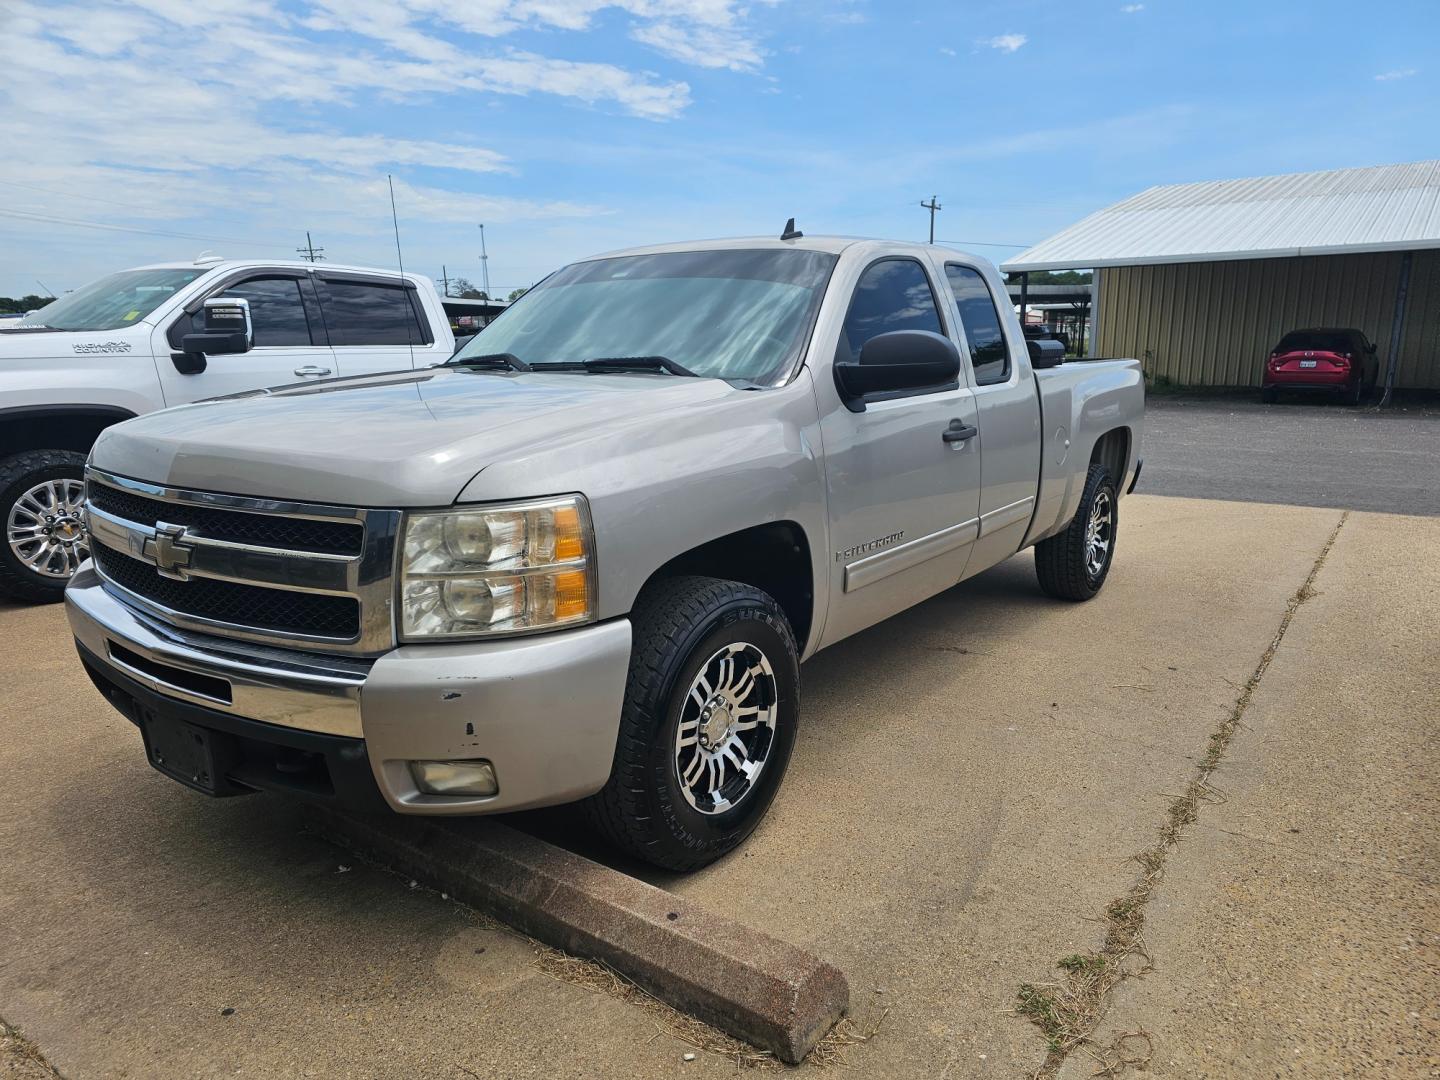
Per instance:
(59,428)
(774,557)
(1113,451)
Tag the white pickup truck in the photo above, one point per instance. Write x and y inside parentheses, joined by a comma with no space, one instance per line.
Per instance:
(583,559)
(118,348)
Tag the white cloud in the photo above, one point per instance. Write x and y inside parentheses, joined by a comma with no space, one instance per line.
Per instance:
(1005,42)
(1391,76)
(241,118)
(1131,9)
(946,51)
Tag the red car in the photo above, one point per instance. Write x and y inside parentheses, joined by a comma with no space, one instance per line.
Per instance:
(1341,361)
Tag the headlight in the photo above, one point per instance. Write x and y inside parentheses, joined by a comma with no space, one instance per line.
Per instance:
(497,569)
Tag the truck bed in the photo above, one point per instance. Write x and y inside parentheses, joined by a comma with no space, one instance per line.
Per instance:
(1079,401)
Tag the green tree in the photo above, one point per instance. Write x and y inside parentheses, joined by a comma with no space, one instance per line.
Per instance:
(515,294)
(1049,277)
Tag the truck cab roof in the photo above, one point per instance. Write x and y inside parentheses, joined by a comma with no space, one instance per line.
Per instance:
(833,245)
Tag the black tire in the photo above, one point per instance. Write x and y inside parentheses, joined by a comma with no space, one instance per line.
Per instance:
(19,474)
(680,624)
(1356,397)
(1269,395)
(1062,562)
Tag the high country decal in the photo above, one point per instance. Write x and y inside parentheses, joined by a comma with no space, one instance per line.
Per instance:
(102,347)
(868,546)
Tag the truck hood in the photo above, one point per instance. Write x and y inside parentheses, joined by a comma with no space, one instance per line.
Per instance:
(398,440)
(35,343)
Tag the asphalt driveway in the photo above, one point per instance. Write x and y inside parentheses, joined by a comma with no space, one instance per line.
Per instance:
(1318,454)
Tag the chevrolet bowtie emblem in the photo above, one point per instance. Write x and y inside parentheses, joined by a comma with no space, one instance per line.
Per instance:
(168,551)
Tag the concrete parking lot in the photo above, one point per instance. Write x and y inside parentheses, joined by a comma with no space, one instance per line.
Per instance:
(969,787)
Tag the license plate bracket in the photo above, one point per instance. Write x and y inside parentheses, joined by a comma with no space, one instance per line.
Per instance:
(194,756)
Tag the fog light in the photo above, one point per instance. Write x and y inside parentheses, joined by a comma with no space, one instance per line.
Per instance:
(455,777)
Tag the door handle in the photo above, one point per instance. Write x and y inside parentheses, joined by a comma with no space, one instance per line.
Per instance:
(312,369)
(959,431)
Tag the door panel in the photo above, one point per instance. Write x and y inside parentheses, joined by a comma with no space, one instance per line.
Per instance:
(374,325)
(903,502)
(285,349)
(1009,419)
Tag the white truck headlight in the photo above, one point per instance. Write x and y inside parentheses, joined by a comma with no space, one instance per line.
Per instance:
(493,570)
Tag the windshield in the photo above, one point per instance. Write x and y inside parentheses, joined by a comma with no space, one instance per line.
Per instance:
(1314,341)
(726,314)
(112,302)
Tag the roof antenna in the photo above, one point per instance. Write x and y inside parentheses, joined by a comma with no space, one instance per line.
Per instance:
(791,233)
(404,285)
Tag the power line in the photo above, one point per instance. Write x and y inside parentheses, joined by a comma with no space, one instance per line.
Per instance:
(984,243)
(25,215)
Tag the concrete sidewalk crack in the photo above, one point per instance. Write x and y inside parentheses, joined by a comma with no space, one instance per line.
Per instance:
(1302,853)
(21,1057)
(1068,1012)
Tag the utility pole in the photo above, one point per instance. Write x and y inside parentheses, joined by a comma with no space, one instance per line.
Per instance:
(484,264)
(932,206)
(445,278)
(310,253)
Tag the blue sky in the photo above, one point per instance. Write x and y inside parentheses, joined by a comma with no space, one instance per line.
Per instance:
(576,126)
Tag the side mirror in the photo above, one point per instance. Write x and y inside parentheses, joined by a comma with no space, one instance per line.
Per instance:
(897,361)
(1045,353)
(227,330)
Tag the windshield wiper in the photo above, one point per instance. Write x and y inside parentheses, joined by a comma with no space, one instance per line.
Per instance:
(499,359)
(625,363)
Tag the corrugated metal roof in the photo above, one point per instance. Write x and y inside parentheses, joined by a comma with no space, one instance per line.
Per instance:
(1383,208)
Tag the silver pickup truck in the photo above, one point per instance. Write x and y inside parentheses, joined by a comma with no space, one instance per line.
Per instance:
(584,559)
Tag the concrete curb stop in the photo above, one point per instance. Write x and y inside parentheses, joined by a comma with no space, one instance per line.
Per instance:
(746,983)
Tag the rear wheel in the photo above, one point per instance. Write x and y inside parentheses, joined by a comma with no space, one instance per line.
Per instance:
(41,494)
(708,723)
(1074,564)
(1356,396)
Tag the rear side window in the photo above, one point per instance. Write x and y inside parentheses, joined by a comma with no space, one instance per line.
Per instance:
(277,312)
(981,319)
(892,294)
(360,313)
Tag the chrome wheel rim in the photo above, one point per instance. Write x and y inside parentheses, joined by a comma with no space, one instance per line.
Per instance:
(46,528)
(1099,533)
(727,729)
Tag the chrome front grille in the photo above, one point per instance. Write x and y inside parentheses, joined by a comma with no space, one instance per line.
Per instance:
(292,574)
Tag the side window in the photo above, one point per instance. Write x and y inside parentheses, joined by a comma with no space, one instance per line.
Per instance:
(988,354)
(277,312)
(892,294)
(359,313)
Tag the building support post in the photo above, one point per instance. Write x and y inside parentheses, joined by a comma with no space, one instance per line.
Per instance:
(1397,326)
(1024,297)
(1092,348)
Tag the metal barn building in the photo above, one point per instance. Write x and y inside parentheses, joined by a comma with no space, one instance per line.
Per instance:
(1201,280)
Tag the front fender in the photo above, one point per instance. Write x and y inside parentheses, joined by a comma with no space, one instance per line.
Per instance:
(664,485)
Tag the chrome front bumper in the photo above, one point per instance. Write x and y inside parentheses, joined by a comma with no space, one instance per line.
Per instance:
(544,710)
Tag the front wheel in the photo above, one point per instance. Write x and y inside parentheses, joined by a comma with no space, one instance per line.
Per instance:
(1073,565)
(709,720)
(41,494)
